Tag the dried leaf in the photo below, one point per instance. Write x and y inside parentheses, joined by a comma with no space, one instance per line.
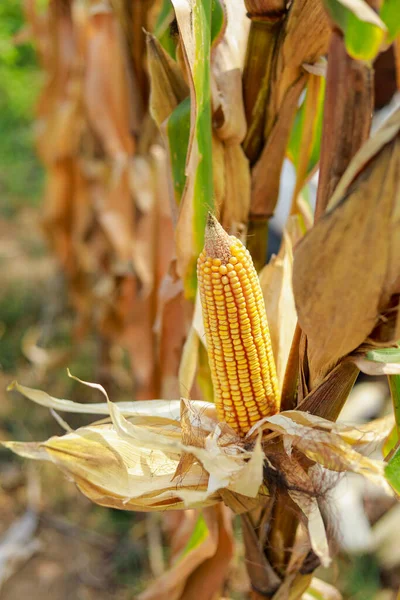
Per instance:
(296,47)
(133,462)
(338,302)
(315,524)
(168,88)
(201,567)
(235,208)
(227,62)
(276,284)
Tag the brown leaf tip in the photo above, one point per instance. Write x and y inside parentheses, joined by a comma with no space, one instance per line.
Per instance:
(217,242)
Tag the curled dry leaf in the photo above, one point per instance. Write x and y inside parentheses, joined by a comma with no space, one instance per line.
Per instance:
(345,275)
(159,455)
(133,461)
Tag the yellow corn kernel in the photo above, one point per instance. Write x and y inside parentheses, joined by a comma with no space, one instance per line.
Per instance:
(238,340)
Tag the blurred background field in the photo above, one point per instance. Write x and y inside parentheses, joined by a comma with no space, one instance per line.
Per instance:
(62,546)
(78,550)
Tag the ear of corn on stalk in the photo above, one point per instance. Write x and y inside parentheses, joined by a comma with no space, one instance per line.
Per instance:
(238,340)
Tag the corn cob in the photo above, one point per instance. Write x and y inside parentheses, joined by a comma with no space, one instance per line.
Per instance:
(238,341)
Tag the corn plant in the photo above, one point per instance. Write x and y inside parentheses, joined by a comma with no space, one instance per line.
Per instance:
(265,354)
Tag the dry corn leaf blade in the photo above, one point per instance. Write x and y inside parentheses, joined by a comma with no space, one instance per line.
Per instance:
(227,64)
(168,87)
(200,568)
(338,299)
(170,327)
(276,284)
(59,109)
(315,525)
(106,87)
(236,172)
(167,409)
(188,364)
(106,97)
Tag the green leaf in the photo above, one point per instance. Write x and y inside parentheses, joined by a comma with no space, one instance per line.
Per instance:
(218,21)
(203,188)
(391,441)
(178,130)
(364,32)
(199,535)
(394,385)
(390,15)
(295,146)
(392,471)
(162,28)
(384,355)
(194,19)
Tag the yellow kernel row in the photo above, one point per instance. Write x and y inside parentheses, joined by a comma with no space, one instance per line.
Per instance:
(240,351)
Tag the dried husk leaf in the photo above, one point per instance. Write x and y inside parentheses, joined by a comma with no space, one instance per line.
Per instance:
(329,396)
(327,449)
(338,299)
(126,449)
(170,327)
(135,462)
(276,284)
(235,209)
(315,524)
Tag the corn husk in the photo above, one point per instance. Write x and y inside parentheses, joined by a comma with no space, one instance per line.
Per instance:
(160,455)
